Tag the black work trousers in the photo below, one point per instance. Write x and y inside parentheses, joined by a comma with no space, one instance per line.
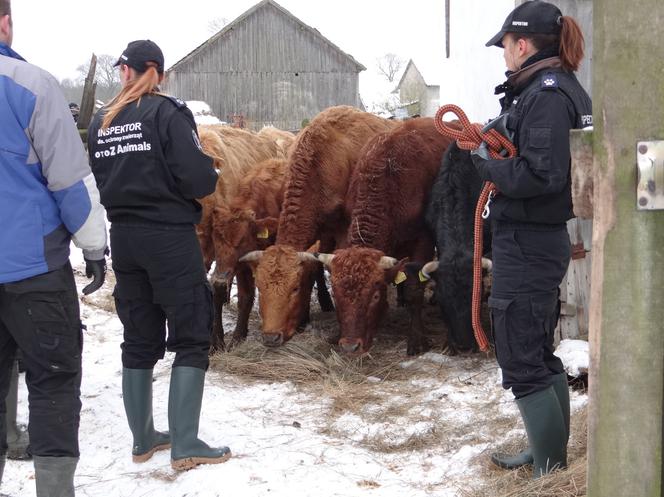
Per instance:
(528,267)
(160,278)
(40,317)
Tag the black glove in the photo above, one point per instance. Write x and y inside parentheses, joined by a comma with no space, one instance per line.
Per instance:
(97,271)
(500,125)
(480,156)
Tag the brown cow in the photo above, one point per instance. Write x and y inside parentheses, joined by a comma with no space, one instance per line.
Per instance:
(387,199)
(235,153)
(283,139)
(320,165)
(248,223)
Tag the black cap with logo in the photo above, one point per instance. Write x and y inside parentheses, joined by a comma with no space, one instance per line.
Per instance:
(139,52)
(530,17)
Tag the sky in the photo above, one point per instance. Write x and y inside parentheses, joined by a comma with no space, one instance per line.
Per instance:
(59,39)
(448,413)
(60,36)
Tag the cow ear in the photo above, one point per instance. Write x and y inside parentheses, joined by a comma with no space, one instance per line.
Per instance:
(396,273)
(266,227)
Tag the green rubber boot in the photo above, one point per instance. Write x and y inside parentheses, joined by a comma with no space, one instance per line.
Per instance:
(18,440)
(54,476)
(507,461)
(137,396)
(545,426)
(561,388)
(184,410)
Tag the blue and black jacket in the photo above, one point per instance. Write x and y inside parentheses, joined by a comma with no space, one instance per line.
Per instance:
(48,195)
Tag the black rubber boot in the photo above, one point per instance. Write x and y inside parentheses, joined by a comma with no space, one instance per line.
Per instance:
(137,396)
(184,410)
(18,440)
(54,476)
(545,426)
(2,467)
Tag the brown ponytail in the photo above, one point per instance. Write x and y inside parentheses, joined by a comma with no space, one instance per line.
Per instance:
(143,85)
(571,44)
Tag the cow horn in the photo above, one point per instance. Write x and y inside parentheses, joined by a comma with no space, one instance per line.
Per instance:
(324,258)
(428,268)
(306,256)
(253,256)
(487,264)
(387,262)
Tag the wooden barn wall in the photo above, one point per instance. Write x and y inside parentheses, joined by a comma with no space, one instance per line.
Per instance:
(270,69)
(575,289)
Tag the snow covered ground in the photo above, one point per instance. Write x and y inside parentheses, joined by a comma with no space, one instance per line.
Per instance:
(422,436)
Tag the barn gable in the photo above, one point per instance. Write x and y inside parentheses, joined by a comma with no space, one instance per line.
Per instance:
(268,66)
(417,95)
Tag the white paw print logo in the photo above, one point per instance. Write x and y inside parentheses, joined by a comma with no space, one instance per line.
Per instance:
(549,81)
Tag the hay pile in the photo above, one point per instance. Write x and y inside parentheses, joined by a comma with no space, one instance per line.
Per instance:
(351,385)
(306,360)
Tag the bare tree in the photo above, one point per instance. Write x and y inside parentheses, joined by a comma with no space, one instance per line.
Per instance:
(107,76)
(72,90)
(217,24)
(389,65)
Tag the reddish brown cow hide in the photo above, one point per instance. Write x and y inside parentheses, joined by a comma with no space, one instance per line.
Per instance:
(320,164)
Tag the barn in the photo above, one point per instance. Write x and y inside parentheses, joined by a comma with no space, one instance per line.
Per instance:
(418,95)
(267,68)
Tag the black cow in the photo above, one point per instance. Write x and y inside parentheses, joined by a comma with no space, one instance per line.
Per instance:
(450,215)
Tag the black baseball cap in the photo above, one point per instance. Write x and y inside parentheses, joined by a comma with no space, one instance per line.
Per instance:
(530,17)
(139,52)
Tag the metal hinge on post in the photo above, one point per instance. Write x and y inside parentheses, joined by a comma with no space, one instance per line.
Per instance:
(650,184)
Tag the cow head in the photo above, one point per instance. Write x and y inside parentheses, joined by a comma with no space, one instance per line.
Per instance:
(454,286)
(284,278)
(238,232)
(359,282)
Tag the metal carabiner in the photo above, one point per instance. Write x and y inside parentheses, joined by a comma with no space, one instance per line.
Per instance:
(487,210)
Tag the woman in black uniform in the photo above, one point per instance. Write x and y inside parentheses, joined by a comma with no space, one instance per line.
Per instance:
(150,170)
(531,248)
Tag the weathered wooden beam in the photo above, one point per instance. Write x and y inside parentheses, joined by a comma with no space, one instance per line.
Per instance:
(88,99)
(626,381)
(581,144)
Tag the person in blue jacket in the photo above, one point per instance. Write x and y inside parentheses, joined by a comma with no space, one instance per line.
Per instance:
(530,245)
(48,197)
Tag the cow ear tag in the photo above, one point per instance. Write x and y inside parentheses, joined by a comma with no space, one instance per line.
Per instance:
(400,277)
(264,233)
(423,278)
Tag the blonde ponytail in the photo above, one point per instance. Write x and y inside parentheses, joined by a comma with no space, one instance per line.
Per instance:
(145,84)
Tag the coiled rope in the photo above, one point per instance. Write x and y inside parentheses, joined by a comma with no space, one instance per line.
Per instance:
(469,137)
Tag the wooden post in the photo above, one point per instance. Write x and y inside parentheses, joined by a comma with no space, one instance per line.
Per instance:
(627,300)
(88,99)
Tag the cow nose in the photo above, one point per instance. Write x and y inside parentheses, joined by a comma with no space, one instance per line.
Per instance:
(273,339)
(350,346)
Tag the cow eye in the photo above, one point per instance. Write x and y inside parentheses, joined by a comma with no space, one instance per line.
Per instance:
(375,297)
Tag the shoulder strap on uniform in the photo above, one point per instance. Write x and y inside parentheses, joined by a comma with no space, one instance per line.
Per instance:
(179,103)
(562,83)
(549,81)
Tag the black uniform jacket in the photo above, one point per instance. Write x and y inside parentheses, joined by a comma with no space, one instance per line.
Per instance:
(541,108)
(149,164)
